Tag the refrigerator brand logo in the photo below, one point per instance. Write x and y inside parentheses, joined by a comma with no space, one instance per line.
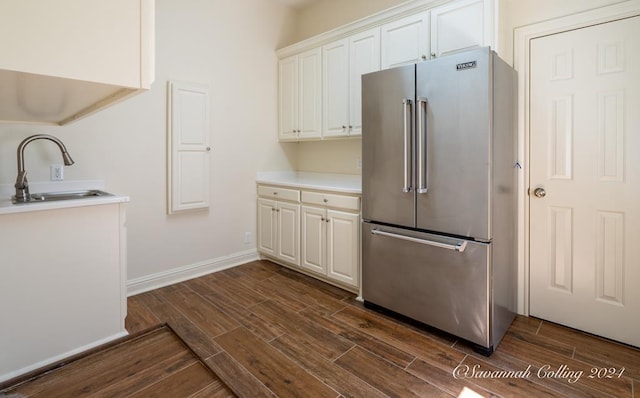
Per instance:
(466,65)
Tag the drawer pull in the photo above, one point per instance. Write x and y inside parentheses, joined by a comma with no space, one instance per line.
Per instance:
(459,247)
(325,200)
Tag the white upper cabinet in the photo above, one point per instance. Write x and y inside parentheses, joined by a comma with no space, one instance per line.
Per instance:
(343,64)
(335,88)
(66,59)
(300,96)
(320,77)
(288,98)
(405,41)
(364,57)
(459,25)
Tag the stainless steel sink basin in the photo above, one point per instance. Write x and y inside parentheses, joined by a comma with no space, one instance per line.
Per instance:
(66,195)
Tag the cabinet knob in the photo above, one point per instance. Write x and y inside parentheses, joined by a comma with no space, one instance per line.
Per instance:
(344,127)
(275,193)
(208,149)
(327,220)
(433,55)
(350,127)
(424,57)
(321,218)
(325,200)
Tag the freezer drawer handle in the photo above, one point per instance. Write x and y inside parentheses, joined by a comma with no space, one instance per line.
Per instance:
(459,247)
(406,105)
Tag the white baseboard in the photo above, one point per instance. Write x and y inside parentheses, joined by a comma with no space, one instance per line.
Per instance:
(181,274)
(56,358)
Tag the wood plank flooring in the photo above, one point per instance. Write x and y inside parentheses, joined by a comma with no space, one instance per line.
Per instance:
(268,331)
(155,363)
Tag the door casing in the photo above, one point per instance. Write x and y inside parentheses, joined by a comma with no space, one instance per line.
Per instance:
(521,62)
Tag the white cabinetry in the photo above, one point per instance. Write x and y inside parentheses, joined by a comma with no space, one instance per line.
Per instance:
(460,25)
(67,292)
(300,96)
(279,223)
(343,63)
(62,60)
(330,237)
(321,237)
(405,41)
(320,77)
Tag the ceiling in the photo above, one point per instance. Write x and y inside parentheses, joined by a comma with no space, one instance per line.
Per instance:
(298,3)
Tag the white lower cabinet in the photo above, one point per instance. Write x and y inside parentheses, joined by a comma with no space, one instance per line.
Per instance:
(69,293)
(279,230)
(330,237)
(330,244)
(321,236)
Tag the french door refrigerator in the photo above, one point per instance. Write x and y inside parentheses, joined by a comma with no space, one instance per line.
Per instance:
(438,186)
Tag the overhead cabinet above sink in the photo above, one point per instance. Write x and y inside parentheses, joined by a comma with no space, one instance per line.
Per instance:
(67,59)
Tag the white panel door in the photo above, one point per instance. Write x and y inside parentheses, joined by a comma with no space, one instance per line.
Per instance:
(335,89)
(313,239)
(343,246)
(310,94)
(405,41)
(267,222)
(189,148)
(364,57)
(288,240)
(584,135)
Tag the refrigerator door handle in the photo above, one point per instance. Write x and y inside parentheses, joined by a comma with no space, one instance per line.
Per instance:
(406,105)
(460,247)
(423,176)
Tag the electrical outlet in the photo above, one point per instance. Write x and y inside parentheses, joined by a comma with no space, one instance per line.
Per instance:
(247,238)
(57,172)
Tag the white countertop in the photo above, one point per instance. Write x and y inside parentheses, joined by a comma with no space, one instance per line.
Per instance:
(7,190)
(345,183)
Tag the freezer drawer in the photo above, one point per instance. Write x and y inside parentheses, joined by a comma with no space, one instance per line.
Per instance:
(440,281)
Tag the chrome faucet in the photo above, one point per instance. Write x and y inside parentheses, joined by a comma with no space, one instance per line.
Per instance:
(22,185)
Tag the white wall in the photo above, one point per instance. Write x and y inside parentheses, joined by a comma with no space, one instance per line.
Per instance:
(227,44)
(518,13)
(325,15)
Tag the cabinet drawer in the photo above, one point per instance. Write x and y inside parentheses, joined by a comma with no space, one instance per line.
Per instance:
(279,193)
(332,200)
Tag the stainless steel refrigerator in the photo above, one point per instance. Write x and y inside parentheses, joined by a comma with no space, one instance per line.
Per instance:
(439,200)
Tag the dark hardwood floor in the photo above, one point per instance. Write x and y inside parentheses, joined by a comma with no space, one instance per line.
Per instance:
(154,363)
(267,331)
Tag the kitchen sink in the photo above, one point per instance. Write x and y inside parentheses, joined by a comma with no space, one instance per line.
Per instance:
(65,195)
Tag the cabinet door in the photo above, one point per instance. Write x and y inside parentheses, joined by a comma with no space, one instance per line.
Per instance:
(457,26)
(189,150)
(288,98)
(313,239)
(267,232)
(343,246)
(405,41)
(309,94)
(288,241)
(364,57)
(335,89)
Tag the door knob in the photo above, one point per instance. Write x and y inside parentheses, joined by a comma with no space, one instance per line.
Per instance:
(540,192)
